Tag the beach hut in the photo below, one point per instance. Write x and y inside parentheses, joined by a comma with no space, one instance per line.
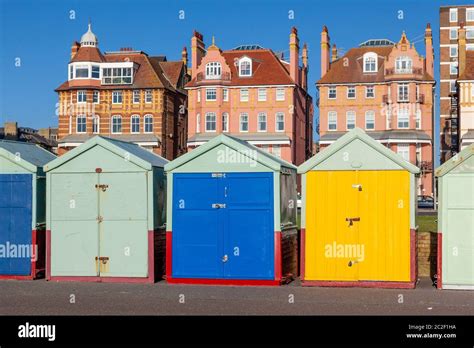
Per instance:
(22,209)
(456,221)
(358,216)
(231,211)
(105,213)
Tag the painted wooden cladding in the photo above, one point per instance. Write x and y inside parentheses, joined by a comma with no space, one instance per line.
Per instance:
(378,245)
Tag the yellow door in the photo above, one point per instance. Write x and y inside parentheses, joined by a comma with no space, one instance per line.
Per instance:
(385,228)
(331,203)
(357,226)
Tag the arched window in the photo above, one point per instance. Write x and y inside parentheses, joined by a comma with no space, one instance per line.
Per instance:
(81,124)
(403,65)
(96,124)
(370,120)
(213,70)
(116,124)
(245,67)
(148,124)
(135,124)
(210,121)
(370,62)
(225,122)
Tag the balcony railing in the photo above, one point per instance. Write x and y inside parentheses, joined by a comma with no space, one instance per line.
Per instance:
(225,76)
(408,71)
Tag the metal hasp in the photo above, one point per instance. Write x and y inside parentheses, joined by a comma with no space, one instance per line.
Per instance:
(103,187)
(218,205)
(351,220)
(357,186)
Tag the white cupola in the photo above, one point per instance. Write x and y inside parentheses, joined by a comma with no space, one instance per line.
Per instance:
(89,39)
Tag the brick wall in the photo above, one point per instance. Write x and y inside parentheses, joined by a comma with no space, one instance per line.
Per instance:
(427,244)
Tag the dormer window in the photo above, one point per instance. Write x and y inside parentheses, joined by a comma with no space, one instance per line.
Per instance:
(403,65)
(213,70)
(370,62)
(245,67)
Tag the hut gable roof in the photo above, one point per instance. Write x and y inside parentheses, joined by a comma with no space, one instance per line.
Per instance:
(134,153)
(455,161)
(238,145)
(27,155)
(345,140)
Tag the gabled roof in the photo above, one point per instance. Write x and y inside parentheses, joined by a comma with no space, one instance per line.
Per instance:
(346,139)
(238,145)
(88,54)
(27,155)
(454,161)
(267,69)
(136,154)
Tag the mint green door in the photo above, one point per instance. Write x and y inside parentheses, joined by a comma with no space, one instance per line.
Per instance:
(74,226)
(123,231)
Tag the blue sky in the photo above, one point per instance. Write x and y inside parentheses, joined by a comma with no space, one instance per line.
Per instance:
(40,33)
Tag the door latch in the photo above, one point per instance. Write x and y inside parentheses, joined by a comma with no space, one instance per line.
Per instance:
(351,220)
(352,262)
(103,187)
(357,186)
(218,205)
(100,219)
(225,258)
(103,259)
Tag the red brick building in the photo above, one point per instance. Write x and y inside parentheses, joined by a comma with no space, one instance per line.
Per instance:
(127,95)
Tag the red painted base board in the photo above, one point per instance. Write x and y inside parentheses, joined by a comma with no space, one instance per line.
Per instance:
(101,279)
(302,252)
(239,282)
(37,267)
(360,284)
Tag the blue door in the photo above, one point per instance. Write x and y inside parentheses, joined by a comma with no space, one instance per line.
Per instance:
(15,222)
(223,226)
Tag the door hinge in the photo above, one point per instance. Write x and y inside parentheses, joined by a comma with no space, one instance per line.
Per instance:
(218,205)
(225,258)
(351,220)
(103,187)
(218,175)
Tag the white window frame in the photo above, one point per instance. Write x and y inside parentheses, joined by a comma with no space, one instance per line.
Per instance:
(370,62)
(277,122)
(244,94)
(213,71)
(241,122)
(259,122)
(455,49)
(370,114)
(276,150)
(92,71)
(81,117)
(198,123)
(451,85)
(418,119)
(280,94)
(136,93)
(367,92)
(453,68)
(132,118)
(406,151)
(82,67)
(225,94)
(400,61)
(145,118)
(469,34)
(148,96)
(453,12)
(117,94)
(332,120)
(262,94)
(116,117)
(209,93)
(245,61)
(451,36)
(96,124)
(351,116)
(406,96)
(349,88)
(210,121)
(94,94)
(332,89)
(470,11)
(406,120)
(225,122)
(81,100)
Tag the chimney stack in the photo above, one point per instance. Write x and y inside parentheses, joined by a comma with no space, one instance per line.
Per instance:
(184,56)
(461,50)
(198,50)
(429,68)
(333,53)
(294,55)
(11,128)
(74,48)
(325,45)
(304,74)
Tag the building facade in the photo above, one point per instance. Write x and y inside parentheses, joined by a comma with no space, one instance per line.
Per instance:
(451,18)
(385,88)
(253,94)
(126,95)
(465,90)
(11,131)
